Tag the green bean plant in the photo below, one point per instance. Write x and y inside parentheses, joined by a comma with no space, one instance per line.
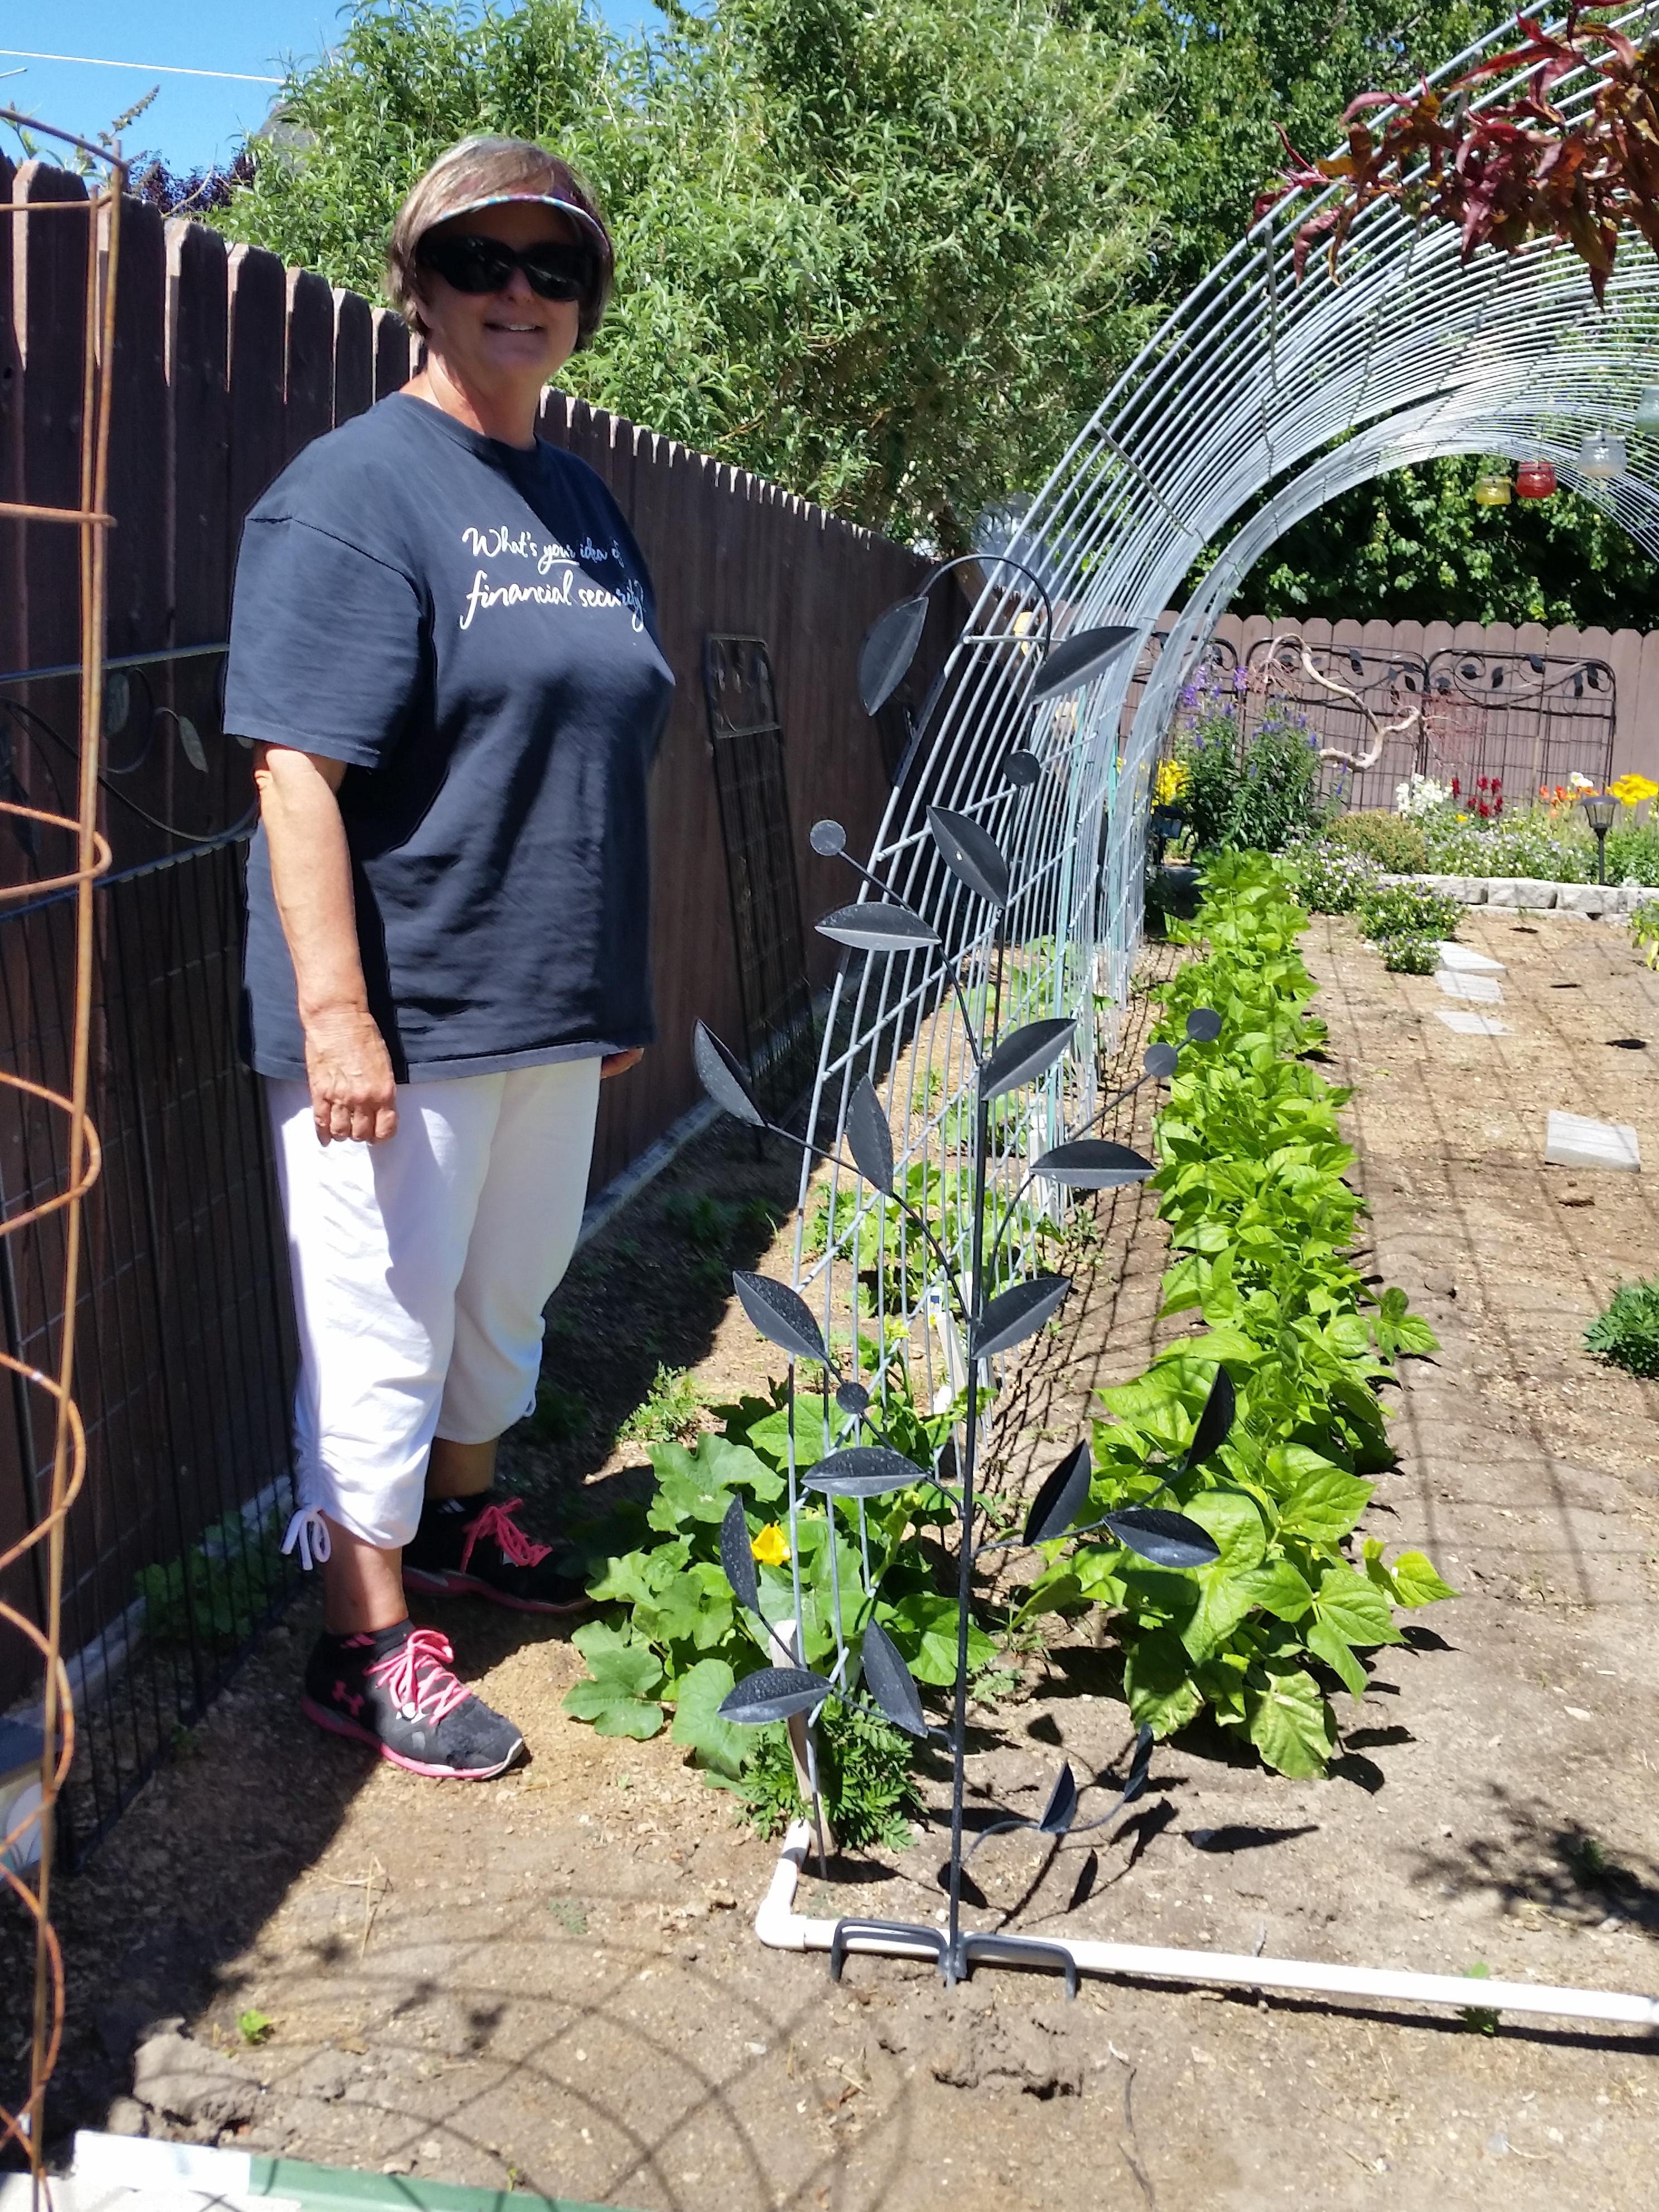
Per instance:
(1262,1226)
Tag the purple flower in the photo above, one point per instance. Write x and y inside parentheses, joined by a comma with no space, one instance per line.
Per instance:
(1189,696)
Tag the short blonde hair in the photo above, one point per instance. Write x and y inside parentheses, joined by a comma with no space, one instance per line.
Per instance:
(480,169)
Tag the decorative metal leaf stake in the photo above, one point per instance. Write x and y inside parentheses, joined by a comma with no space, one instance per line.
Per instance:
(853,1474)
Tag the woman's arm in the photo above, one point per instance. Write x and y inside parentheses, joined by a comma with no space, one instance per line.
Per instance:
(347,1064)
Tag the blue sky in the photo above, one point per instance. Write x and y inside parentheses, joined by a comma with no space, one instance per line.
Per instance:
(194,120)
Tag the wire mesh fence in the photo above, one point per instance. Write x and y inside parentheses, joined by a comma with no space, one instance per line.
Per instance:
(171,1565)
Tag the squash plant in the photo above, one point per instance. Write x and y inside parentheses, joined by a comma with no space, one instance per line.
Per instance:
(1251,1167)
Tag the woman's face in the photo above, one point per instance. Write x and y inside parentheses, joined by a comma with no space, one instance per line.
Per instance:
(493,339)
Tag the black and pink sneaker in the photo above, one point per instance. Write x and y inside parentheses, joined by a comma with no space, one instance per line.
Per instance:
(473,1546)
(392,1688)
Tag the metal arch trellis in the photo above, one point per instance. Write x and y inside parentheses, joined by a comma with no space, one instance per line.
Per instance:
(1257,383)
(1003,894)
(88,518)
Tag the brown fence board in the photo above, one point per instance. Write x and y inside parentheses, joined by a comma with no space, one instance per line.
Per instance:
(353,357)
(309,379)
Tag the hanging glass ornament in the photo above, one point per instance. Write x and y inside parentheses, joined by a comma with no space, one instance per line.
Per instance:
(1647,410)
(1600,457)
(1491,488)
(1535,479)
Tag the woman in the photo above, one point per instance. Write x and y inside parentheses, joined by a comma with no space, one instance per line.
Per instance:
(443,649)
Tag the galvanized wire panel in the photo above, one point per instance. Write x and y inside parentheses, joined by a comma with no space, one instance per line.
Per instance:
(1257,383)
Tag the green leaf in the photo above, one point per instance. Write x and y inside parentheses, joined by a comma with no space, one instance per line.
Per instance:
(1158,1683)
(697,1486)
(1290,1722)
(717,1744)
(924,1627)
(1353,1606)
(1223,1600)
(613,1710)
(1279,1589)
(1415,1579)
(1323,1505)
(1234,1520)
(628,1668)
(1324,1642)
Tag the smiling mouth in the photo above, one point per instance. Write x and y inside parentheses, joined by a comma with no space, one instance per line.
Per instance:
(523,329)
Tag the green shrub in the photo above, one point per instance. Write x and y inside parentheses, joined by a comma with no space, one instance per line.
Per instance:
(221,1591)
(1395,910)
(1399,846)
(863,1779)
(1262,1221)
(1259,796)
(1627,1334)
(1327,877)
(1408,954)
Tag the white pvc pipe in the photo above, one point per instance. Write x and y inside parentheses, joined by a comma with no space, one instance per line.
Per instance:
(780,1926)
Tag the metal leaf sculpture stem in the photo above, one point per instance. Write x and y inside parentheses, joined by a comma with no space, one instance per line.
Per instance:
(991,1325)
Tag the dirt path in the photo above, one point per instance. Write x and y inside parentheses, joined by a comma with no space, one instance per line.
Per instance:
(553,1981)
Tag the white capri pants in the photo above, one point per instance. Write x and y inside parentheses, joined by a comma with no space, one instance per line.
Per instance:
(421,1267)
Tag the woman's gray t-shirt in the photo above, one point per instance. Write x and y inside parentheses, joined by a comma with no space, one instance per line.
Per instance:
(470,627)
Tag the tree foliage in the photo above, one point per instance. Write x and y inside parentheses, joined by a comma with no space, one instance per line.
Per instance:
(892,252)
(880,250)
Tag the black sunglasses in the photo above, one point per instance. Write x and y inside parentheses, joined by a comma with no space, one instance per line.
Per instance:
(552,269)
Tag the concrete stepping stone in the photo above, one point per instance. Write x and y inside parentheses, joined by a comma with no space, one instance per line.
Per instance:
(1466,961)
(1469,1024)
(1573,1141)
(1484,989)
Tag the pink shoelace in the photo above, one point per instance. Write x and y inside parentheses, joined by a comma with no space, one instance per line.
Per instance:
(497,1521)
(416,1677)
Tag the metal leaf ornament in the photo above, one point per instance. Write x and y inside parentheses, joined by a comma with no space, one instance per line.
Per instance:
(827,839)
(1025,1054)
(781,1315)
(971,853)
(738,1557)
(1162,1061)
(868,1137)
(888,648)
(852,1398)
(1214,1423)
(1060,1810)
(1078,660)
(722,1078)
(864,1471)
(1022,769)
(1203,1025)
(1140,1767)
(1093,1164)
(773,1693)
(1168,1540)
(1061,1498)
(1016,1314)
(878,926)
(891,1683)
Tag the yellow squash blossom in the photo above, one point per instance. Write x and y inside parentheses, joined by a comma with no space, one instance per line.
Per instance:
(771,1546)
(1171,780)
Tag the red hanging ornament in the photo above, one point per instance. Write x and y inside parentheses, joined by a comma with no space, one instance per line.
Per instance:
(1535,480)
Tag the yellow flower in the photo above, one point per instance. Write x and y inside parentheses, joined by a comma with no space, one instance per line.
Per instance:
(1171,780)
(771,1546)
(1630,789)
(1462,818)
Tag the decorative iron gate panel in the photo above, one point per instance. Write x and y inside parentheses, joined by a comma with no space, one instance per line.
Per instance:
(745,740)
(1522,721)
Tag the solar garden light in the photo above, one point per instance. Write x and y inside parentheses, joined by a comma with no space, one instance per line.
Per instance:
(1601,810)
(855,1472)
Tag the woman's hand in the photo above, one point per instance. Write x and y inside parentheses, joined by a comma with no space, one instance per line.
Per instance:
(618,1063)
(349,1071)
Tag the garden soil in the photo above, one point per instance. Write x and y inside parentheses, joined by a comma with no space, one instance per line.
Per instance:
(552,1982)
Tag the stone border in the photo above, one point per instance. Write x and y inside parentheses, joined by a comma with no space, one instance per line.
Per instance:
(1525,894)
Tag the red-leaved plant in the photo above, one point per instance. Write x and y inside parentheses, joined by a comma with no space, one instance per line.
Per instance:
(1510,171)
